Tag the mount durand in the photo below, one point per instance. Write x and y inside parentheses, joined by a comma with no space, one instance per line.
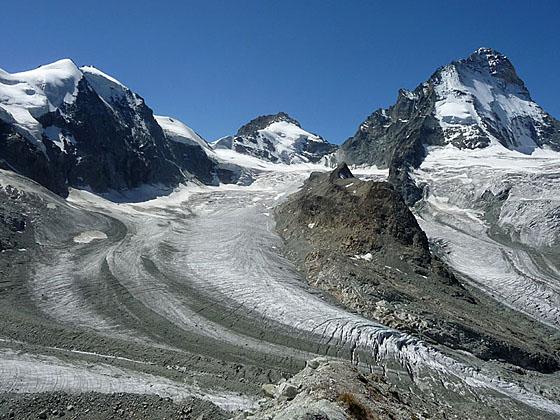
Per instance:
(471,103)
(277,138)
(63,126)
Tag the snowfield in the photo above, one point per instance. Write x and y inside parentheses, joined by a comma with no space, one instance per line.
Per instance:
(177,131)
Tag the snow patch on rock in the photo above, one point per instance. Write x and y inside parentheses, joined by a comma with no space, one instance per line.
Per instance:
(179,132)
(89,236)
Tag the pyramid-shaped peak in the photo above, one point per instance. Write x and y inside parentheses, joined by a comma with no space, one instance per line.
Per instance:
(342,171)
(495,63)
(264,121)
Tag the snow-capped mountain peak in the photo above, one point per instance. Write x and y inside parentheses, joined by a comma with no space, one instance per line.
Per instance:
(480,100)
(25,96)
(277,138)
(472,103)
(497,64)
(94,71)
(58,81)
(67,126)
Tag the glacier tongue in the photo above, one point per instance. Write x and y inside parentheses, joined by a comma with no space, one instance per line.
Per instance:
(230,261)
(494,214)
(201,270)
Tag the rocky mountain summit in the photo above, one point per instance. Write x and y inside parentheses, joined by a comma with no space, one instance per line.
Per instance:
(471,103)
(359,241)
(277,138)
(63,126)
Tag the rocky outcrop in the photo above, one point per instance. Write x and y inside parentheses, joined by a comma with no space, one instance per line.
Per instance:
(335,390)
(19,155)
(361,218)
(359,241)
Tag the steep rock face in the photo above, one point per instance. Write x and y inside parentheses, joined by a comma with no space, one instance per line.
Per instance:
(196,156)
(359,241)
(362,217)
(383,131)
(470,103)
(103,147)
(277,138)
(67,126)
(19,155)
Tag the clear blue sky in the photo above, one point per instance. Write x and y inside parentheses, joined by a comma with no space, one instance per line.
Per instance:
(217,64)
